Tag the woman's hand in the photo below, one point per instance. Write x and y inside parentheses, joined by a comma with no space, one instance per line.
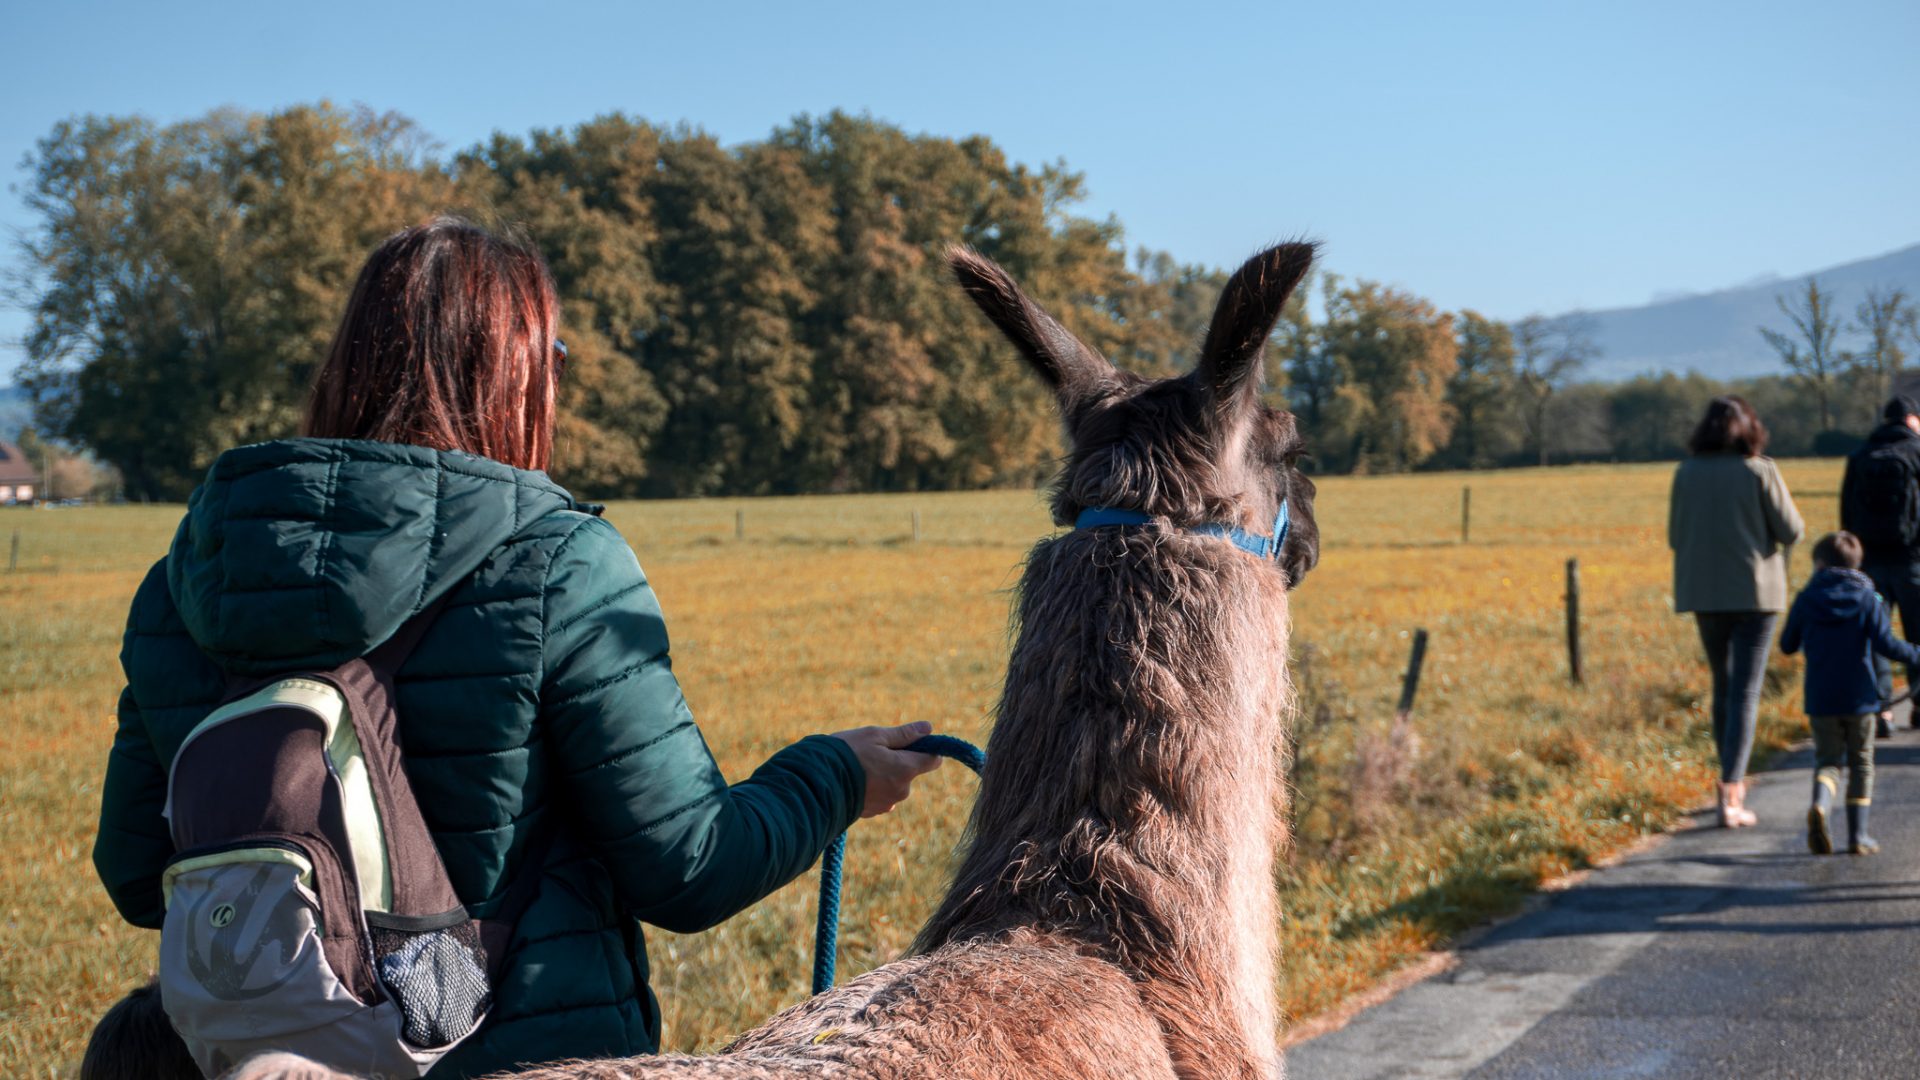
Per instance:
(890,770)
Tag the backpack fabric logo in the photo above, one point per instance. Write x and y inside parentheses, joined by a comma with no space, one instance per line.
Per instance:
(241,963)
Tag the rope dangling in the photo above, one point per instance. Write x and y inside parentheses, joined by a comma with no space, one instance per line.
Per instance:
(826,932)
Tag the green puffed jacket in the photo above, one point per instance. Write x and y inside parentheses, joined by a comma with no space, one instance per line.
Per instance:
(543,692)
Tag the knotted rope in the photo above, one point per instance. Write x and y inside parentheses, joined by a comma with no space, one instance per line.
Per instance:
(826,933)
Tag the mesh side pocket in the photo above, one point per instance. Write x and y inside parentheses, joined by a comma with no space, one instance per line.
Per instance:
(437,977)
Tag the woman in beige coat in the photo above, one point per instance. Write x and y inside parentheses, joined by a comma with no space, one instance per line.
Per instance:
(1730,521)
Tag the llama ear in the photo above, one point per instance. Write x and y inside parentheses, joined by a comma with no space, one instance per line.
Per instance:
(1249,307)
(1064,361)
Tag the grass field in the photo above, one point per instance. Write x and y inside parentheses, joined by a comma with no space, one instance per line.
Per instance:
(827,616)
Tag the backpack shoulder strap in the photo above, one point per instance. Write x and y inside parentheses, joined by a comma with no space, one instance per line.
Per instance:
(391,653)
(496,932)
(419,883)
(385,657)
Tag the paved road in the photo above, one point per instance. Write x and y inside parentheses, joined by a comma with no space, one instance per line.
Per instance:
(1730,954)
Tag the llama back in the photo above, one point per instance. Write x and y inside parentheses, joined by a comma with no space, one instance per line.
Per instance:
(1024,1007)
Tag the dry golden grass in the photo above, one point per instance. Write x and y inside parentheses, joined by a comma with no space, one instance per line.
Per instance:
(826,616)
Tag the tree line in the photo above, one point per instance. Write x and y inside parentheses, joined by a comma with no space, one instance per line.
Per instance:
(1823,402)
(760,319)
(1886,319)
(765,318)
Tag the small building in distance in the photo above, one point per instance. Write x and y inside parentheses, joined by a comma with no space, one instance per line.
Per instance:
(18,480)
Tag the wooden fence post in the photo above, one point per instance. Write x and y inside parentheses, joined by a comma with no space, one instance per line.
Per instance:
(1466,513)
(916,526)
(1411,684)
(739,524)
(1573,618)
(13,557)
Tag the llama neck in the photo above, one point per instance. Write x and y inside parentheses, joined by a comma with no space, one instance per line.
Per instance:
(1233,827)
(1132,797)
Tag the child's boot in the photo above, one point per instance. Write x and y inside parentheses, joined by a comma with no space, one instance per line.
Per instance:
(1858,842)
(1819,816)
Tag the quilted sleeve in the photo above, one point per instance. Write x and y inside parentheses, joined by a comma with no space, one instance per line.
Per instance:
(133,844)
(685,849)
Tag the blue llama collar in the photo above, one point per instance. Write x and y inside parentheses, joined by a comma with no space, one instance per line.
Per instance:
(1265,547)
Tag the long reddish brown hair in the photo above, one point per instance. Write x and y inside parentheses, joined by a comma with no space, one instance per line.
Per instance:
(448,343)
(1730,426)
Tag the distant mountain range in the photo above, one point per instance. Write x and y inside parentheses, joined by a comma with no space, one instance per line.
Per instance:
(1716,333)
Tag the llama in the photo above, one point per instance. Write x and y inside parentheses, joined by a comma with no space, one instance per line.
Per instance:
(1113,913)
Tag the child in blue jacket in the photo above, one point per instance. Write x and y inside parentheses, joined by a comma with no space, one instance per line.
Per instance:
(1840,621)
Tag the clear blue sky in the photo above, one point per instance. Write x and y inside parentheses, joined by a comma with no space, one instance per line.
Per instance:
(1509,157)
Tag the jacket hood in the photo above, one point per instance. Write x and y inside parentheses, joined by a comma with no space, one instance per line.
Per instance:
(1835,595)
(310,552)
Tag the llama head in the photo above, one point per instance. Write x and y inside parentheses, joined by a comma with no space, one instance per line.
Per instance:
(1196,449)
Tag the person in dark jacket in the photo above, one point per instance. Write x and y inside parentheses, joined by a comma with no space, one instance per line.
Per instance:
(1841,623)
(1880,504)
(544,731)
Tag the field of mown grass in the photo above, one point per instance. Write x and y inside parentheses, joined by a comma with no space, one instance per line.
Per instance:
(827,616)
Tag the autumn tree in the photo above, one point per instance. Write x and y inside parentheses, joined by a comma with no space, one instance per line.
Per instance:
(1002,421)
(722,349)
(1808,351)
(1315,375)
(1481,393)
(766,318)
(1163,312)
(579,196)
(909,387)
(182,281)
(1886,317)
(1548,355)
(1650,417)
(1396,354)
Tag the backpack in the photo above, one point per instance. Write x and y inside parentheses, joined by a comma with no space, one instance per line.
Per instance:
(1883,503)
(307,909)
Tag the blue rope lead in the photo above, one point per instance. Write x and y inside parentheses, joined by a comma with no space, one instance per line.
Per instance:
(826,933)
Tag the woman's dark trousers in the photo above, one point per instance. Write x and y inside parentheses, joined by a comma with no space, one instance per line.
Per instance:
(1737,644)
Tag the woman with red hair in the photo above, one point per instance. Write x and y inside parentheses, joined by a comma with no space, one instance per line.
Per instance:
(544,733)
(1729,522)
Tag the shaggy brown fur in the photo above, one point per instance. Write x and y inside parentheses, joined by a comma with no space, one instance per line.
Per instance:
(1114,913)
